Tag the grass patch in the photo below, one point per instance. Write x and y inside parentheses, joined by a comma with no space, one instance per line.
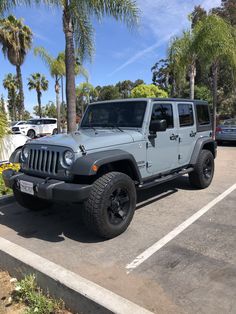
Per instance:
(27,292)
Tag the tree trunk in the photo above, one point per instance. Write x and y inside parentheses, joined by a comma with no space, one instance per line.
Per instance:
(70,70)
(57,90)
(192,74)
(62,90)
(21,93)
(39,103)
(215,69)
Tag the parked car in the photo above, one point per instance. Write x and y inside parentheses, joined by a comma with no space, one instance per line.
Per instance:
(16,123)
(121,147)
(226,131)
(37,127)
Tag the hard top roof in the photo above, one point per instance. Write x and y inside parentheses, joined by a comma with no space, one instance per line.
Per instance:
(195,101)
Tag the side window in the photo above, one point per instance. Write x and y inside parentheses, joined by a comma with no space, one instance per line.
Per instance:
(51,121)
(185,115)
(163,112)
(203,116)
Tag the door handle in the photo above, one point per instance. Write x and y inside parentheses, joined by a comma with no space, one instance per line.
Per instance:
(174,137)
(192,134)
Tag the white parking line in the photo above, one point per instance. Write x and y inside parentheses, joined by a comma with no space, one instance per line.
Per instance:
(175,232)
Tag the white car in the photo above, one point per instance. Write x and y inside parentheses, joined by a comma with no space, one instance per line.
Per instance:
(37,127)
(16,123)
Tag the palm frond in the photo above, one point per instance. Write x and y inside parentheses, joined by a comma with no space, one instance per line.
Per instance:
(122,10)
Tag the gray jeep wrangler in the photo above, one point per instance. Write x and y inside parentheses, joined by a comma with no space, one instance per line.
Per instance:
(120,148)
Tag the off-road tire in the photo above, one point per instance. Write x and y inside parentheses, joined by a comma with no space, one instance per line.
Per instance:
(31,134)
(29,201)
(97,210)
(200,178)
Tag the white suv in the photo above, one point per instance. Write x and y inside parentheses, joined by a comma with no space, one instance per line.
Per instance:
(36,127)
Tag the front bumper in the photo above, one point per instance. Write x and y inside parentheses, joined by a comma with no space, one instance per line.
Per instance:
(52,190)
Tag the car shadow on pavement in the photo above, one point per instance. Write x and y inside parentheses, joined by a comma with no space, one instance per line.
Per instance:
(65,220)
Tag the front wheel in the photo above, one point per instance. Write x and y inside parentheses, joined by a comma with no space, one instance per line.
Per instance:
(203,172)
(29,201)
(111,205)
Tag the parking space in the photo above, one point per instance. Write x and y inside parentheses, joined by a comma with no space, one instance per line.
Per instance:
(194,272)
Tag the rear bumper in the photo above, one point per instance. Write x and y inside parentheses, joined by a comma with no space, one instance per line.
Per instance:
(225,137)
(53,190)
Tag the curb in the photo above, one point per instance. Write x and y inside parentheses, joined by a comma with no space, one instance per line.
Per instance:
(79,294)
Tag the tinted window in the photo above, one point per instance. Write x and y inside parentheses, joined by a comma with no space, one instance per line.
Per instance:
(52,121)
(35,121)
(185,115)
(163,112)
(203,114)
(121,114)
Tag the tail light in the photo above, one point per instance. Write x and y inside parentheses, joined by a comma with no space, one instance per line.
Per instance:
(218,129)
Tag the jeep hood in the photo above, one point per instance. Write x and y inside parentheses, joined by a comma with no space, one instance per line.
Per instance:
(88,138)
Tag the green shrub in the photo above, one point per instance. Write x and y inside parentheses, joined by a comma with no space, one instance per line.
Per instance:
(26,291)
(3,124)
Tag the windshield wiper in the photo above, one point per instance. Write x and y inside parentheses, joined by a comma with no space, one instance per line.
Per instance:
(114,126)
(89,127)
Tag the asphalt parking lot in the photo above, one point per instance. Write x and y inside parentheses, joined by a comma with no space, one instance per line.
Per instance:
(195,272)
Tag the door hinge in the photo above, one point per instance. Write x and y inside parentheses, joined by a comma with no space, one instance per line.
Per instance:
(148,164)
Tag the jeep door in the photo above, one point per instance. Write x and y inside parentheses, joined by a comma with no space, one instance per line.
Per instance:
(187,131)
(162,150)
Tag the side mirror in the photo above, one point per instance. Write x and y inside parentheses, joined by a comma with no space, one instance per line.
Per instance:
(157,126)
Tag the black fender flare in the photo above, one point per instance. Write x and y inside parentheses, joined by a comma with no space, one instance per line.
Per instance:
(15,156)
(201,142)
(84,165)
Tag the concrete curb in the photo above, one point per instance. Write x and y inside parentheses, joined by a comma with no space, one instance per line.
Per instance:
(78,293)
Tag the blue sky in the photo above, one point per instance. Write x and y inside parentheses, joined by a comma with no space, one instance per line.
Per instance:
(120,53)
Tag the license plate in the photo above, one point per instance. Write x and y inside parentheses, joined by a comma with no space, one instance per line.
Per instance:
(27,187)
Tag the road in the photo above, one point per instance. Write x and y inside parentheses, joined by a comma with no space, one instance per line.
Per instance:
(195,272)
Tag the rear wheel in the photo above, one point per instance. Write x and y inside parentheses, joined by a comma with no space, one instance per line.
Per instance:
(111,205)
(203,172)
(31,134)
(29,201)
(55,131)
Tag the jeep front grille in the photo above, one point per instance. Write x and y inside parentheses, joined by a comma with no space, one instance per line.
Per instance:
(45,161)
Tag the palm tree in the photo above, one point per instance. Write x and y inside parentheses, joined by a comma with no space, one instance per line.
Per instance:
(11,84)
(57,69)
(215,42)
(78,30)
(183,59)
(16,40)
(39,83)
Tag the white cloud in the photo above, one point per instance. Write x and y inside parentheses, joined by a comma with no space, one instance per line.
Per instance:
(163,19)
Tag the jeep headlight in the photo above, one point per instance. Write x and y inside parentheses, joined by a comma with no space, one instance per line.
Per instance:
(25,153)
(68,157)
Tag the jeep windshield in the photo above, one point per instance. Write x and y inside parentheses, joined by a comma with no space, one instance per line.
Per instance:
(128,114)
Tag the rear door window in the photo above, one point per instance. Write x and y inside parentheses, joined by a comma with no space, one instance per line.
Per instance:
(185,115)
